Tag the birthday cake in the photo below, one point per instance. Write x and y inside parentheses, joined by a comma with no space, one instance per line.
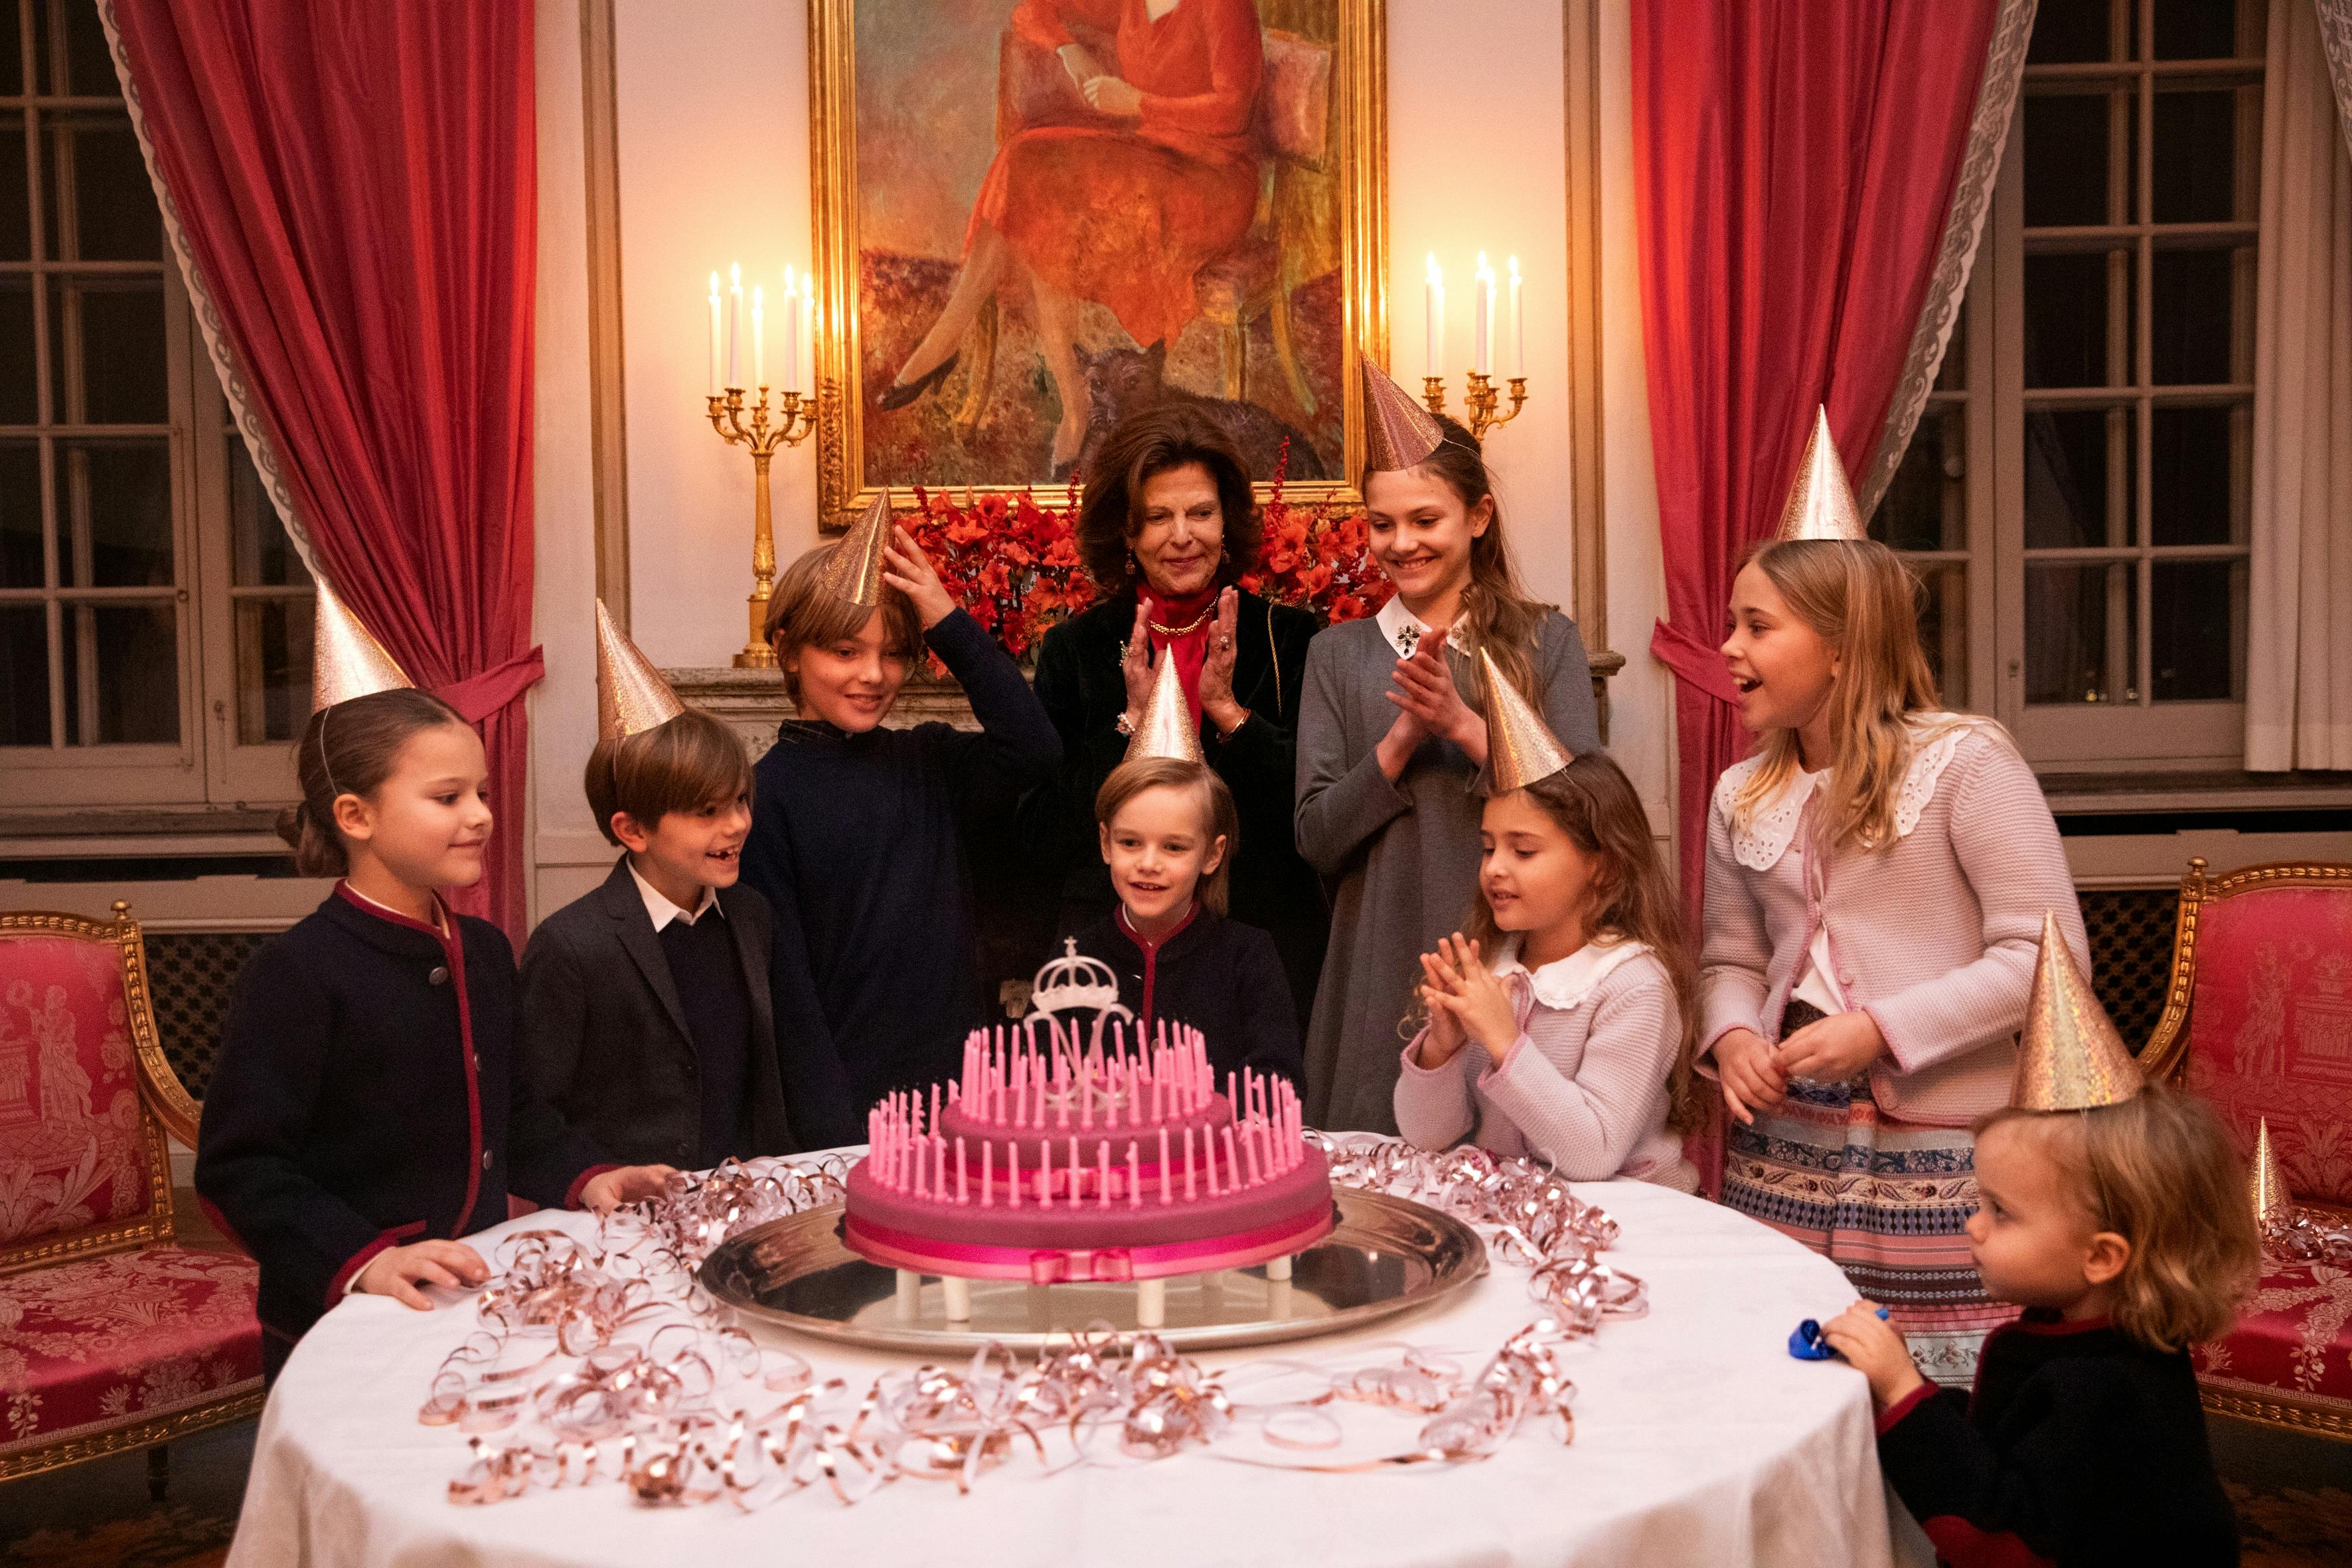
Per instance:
(1065,1154)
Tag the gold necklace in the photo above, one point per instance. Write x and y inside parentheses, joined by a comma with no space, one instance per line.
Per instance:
(1187,628)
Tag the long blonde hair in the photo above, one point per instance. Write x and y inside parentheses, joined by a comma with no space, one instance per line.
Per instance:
(1497,614)
(1860,599)
(2159,1170)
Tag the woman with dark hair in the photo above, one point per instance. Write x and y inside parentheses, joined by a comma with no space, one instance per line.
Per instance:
(1167,526)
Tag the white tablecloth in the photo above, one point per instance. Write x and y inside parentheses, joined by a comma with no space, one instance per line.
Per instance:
(1698,1440)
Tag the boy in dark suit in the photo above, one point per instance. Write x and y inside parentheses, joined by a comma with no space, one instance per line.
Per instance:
(644,1009)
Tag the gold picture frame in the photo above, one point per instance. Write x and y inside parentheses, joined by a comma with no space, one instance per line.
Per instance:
(1358,139)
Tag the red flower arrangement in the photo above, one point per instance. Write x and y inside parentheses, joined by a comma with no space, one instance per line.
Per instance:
(1013,564)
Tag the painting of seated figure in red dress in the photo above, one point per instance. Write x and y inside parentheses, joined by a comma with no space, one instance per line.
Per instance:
(1040,215)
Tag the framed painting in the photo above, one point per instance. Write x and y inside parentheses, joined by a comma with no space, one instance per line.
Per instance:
(1037,216)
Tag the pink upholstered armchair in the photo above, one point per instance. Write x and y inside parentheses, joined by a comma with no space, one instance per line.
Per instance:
(111,1337)
(2258,1021)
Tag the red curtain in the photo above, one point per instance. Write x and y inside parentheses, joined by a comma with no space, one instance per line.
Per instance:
(355,183)
(1793,164)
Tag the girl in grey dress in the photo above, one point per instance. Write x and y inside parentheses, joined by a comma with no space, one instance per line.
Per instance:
(1392,742)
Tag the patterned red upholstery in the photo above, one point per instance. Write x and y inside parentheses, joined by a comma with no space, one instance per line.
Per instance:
(96,1343)
(72,1148)
(2294,1338)
(2270,1027)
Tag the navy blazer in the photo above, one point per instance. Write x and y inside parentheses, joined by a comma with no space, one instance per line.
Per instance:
(605,1035)
(366,1095)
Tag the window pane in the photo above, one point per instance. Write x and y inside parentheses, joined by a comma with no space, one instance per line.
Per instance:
(2078,319)
(23,675)
(2067,167)
(2196,157)
(1944,627)
(106,347)
(12,53)
(123,675)
(2078,469)
(2073,30)
(20,516)
(100,204)
(114,513)
(1952,374)
(260,556)
(88,68)
(1926,503)
(2194,478)
(273,668)
(2197,630)
(2078,634)
(19,394)
(2202,30)
(2194,328)
(16,194)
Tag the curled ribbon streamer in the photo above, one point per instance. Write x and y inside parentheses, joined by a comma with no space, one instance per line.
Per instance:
(631,1388)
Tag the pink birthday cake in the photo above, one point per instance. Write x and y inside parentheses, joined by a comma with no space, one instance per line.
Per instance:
(1060,1154)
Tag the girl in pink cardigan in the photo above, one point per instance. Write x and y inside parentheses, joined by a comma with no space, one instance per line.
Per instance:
(1559,1027)
(1876,875)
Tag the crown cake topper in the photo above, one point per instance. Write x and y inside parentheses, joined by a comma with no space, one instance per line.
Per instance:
(2071,1057)
(1520,747)
(346,662)
(1075,983)
(631,695)
(1820,502)
(2266,1180)
(1399,432)
(1167,728)
(853,569)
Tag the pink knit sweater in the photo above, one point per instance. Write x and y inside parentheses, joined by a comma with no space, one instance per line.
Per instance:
(1584,1085)
(1935,937)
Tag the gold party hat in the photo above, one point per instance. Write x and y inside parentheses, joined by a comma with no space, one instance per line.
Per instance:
(2265,1180)
(1520,749)
(1399,432)
(631,695)
(853,569)
(1820,503)
(1167,728)
(346,662)
(2071,1057)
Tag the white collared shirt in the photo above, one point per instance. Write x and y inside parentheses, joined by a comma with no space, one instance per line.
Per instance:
(1565,982)
(662,911)
(1404,629)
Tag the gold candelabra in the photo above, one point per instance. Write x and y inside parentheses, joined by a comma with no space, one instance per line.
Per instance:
(1480,403)
(796,419)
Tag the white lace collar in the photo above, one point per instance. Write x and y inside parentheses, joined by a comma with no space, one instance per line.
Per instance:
(1565,982)
(1772,826)
(1403,630)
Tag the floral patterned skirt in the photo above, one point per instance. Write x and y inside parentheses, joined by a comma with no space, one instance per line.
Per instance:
(1885,1200)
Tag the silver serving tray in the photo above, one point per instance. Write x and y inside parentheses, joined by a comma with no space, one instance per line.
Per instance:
(1384,1257)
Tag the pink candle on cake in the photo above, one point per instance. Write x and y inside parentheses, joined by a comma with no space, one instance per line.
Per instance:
(1046,1175)
(963,1177)
(987,1171)
(1134,1178)
(1249,1145)
(1189,1165)
(1012,1164)
(1165,1175)
(1076,1170)
(1233,1162)
(1102,1177)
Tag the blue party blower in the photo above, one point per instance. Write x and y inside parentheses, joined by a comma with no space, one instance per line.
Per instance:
(1807,1344)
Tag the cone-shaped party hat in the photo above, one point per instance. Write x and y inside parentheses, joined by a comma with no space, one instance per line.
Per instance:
(1399,432)
(2071,1057)
(346,662)
(1166,729)
(853,569)
(1820,503)
(1520,748)
(2265,1182)
(631,695)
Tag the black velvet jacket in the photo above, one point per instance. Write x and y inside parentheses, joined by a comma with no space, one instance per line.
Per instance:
(606,1037)
(857,842)
(1080,683)
(2078,1447)
(367,1094)
(1221,977)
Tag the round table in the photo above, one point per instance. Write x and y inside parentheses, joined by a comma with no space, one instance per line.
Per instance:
(1699,1439)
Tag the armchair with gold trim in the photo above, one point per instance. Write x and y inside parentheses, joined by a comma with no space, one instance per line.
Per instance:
(2258,1022)
(112,1337)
